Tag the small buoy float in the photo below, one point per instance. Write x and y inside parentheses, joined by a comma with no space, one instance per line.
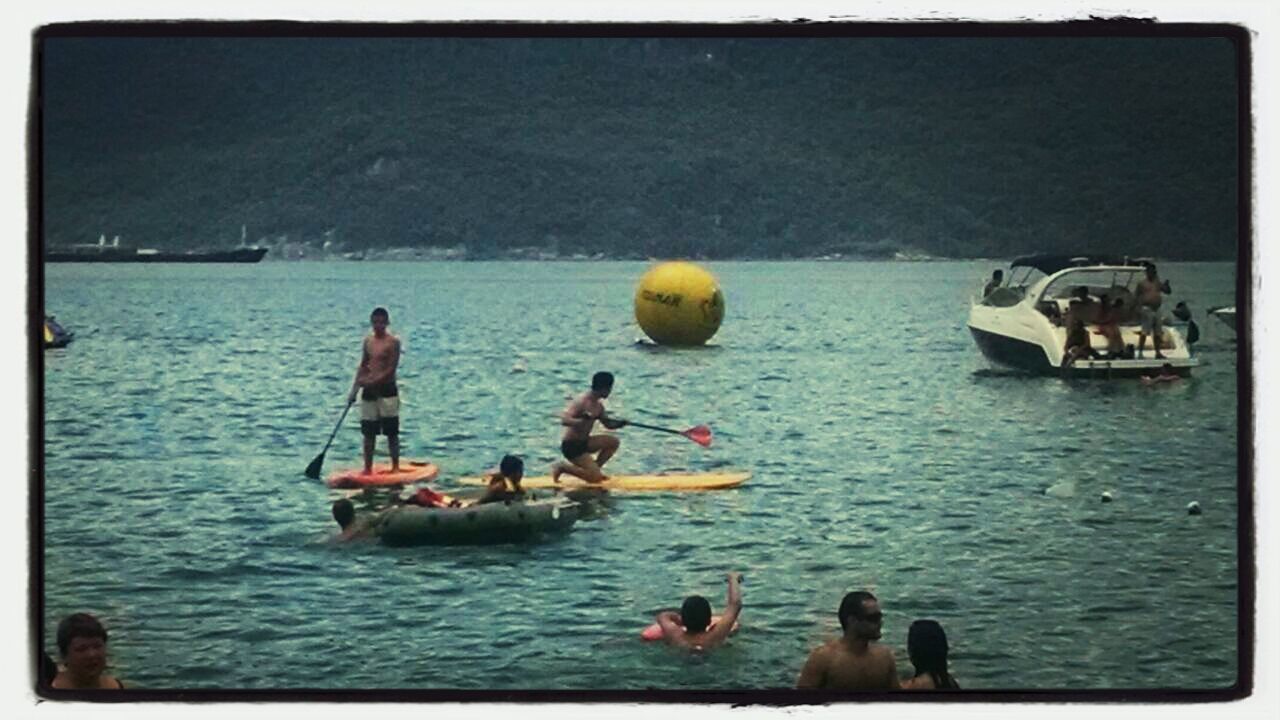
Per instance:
(679,303)
(1106,496)
(1193,508)
(520,366)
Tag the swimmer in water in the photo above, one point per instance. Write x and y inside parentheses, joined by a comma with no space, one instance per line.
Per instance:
(352,527)
(853,661)
(82,643)
(691,627)
(1167,374)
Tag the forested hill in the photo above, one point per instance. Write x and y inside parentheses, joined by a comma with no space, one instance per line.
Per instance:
(739,147)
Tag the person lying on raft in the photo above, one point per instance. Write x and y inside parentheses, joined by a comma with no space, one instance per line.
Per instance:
(585,454)
(504,485)
(691,628)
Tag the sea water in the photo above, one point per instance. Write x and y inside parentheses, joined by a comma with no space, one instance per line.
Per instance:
(886,455)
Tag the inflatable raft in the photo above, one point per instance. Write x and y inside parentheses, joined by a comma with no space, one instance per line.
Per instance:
(497,522)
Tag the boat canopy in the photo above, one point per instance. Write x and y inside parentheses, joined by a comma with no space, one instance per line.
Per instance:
(1050,264)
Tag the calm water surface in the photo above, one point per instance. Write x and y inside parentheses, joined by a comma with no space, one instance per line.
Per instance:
(886,454)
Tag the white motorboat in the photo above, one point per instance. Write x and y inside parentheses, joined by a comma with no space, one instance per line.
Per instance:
(1227,314)
(1020,323)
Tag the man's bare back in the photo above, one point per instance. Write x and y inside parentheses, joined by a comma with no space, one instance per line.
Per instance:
(838,665)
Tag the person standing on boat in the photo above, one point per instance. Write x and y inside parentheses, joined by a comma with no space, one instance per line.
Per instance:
(1149,298)
(585,454)
(379,398)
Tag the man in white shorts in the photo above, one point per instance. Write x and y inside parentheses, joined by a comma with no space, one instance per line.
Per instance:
(379,397)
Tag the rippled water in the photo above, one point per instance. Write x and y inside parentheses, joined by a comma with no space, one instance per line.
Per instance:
(886,453)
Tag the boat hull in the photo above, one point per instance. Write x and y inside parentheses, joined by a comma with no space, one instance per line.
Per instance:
(247,255)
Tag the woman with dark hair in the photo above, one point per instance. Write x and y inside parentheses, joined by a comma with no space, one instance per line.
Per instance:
(82,643)
(927,648)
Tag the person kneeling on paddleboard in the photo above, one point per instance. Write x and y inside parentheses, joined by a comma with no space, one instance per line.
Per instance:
(504,485)
(692,627)
(379,399)
(585,453)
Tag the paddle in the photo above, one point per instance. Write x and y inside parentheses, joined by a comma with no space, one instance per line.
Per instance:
(700,434)
(313,470)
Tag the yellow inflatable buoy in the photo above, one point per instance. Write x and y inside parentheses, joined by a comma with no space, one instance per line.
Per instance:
(679,303)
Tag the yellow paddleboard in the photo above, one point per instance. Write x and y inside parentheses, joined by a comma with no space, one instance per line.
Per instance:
(675,482)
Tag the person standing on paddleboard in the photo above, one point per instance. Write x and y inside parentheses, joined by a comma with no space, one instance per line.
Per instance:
(585,453)
(379,397)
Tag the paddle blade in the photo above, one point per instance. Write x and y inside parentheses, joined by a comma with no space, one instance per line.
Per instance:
(700,434)
(313,470)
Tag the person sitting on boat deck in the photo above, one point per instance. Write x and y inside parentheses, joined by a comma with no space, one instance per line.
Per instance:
(927,648)
(1108,320)
(504,485)
(853,661)
(1077,344)
(82,643)
(379,397)
(585,454)
(997,277)
(691,628)
(1150,290)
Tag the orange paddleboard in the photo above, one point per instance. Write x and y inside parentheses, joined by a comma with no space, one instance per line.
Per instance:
(410,472)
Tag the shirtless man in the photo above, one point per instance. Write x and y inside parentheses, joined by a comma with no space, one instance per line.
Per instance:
(380,400)
(1149,291)
(586,453)
(691,627)
(351,527)
(853,662)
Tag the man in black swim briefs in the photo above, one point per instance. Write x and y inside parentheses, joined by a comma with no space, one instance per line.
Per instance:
(380,398)
(585,454)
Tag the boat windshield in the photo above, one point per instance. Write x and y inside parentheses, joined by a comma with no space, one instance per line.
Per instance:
(1099,280)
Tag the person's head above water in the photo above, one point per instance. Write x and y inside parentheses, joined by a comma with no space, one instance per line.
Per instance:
(511,467)
(78,625)
(927,647)
(602,383)
(379,318)
(695,614)
(344,512)
(860,615)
